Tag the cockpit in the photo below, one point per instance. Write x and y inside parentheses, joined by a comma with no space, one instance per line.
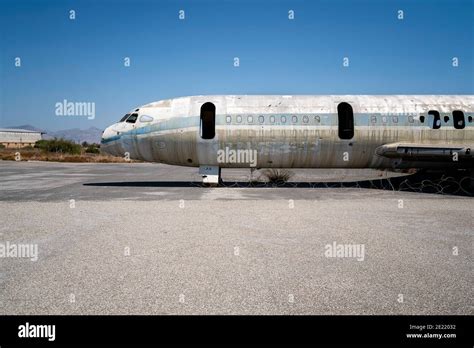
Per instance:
(132,118)
(129,118)
(124,118)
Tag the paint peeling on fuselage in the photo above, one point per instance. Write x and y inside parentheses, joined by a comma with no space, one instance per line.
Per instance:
(307,139)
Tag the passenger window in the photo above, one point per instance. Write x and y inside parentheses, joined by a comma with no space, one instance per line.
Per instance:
(422,119)
(384,119)
(469,119)
(446,119)
(272,119)
(395,119)
(228,119)
(250,119)
(261,119)
(458,118)
(373,119)
(305,119)
(132,118)
(294,119)
(239,119)
(283,119)
(317,119)
(411,119)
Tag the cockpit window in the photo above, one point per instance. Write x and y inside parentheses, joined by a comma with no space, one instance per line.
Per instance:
(132,118)
(124,118)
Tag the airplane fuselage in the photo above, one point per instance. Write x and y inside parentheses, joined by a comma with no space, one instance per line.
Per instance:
(338,131)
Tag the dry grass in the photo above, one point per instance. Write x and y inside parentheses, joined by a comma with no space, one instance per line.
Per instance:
(31,154)
(277,176)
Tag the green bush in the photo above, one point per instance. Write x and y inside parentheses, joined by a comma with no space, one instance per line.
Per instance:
(59,145)
(2,146)
(92,148)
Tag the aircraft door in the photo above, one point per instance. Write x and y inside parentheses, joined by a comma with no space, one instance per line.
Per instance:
(345,121)
(210,112)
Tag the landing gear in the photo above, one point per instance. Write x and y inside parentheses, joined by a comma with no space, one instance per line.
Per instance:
(211,175)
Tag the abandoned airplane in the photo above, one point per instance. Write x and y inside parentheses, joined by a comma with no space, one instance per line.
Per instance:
(270,131)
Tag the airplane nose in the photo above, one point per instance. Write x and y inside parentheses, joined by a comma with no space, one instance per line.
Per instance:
(107,136)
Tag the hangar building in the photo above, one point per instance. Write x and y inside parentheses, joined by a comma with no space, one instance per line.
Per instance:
(17,138)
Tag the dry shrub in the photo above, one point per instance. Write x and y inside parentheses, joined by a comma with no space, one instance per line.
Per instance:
(277,176)
(30,154)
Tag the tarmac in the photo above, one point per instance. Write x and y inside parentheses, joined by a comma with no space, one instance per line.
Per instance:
(141,238)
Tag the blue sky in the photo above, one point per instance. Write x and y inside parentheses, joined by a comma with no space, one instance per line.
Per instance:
(82,60)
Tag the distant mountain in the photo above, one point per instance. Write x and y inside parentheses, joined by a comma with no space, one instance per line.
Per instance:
(28,127)
(91,135)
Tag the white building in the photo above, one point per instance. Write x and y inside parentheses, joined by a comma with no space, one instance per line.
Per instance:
(17,138)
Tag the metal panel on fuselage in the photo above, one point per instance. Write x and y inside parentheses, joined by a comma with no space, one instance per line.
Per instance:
(303,144)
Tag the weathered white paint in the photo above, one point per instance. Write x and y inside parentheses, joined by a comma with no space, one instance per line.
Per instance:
(299,145)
